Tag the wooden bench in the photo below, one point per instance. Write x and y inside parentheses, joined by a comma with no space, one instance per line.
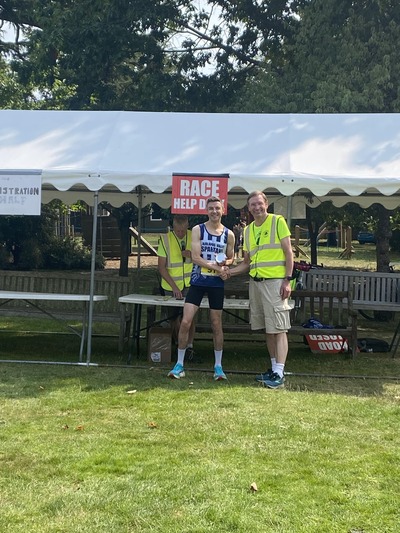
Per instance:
(331,308)
(373,291)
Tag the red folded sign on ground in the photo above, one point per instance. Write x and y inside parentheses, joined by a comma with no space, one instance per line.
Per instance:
(326,343)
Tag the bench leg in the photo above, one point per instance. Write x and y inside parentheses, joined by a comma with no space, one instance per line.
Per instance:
(135,339)
(394,344)
(125,324)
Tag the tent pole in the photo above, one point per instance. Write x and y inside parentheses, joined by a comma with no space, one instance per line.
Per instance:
(92,271)
(139,230)
(289,210)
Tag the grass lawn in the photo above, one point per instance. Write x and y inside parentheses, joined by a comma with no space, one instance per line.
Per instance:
(127,450)
(123,449)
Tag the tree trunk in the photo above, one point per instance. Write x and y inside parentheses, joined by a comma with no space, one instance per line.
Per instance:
(312,234)
(382,236)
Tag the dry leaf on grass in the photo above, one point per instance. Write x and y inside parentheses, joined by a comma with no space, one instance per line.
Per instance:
(152,425)
(253,487)
(79,428)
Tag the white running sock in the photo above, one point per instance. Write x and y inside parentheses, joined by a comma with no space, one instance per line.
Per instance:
(181,356)
(218,357)
(273,364)
(279,369)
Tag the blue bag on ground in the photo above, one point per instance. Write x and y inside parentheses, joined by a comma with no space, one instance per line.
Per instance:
(313,323)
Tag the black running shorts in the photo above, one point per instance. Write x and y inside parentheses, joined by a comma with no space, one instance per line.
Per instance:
(215,296)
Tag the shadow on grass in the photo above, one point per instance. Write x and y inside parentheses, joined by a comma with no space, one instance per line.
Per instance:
(40,380)
(364,375)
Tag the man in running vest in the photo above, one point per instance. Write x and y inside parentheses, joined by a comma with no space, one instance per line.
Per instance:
(175,266)
(212,248)
(268,257)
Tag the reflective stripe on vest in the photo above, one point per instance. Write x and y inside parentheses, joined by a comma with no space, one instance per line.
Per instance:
(178,269)
(267,259)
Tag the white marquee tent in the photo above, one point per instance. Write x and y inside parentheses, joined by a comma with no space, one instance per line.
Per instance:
(131,156)
(135,153)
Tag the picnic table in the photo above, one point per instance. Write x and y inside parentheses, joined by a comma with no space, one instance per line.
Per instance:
(32,298)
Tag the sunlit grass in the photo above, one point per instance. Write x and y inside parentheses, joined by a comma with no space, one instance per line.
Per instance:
(126,450)
(362,258)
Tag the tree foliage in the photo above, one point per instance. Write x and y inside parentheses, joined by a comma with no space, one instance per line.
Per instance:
(340,59)
(29,242)
(274,56)
(155,55)
(165,55)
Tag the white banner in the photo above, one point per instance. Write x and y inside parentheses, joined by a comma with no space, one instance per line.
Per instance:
(20,194)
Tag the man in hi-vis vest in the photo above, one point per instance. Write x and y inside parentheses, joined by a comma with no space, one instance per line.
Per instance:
(268,257)
(175,267)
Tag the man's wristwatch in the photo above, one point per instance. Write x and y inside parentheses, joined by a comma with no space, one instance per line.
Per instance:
(288,278)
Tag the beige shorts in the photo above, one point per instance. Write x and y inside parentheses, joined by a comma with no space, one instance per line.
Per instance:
(267,309)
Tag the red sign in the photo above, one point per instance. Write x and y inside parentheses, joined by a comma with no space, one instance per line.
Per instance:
(327,343)
(191,191)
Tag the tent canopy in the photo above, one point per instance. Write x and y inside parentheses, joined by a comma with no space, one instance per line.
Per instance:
(131,156)
(332,156)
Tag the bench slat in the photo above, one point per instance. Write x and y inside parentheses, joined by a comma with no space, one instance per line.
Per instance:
(371,290)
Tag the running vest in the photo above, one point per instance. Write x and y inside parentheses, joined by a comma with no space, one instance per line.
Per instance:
(179,268)
(211,245)
(267,259)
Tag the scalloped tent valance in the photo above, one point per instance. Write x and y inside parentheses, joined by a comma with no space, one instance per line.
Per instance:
(333,156)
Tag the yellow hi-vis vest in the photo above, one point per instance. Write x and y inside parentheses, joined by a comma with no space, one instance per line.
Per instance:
(179,268)
(267,259)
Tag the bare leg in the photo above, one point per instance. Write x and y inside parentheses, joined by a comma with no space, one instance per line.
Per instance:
(281,343)
(189,312)
(216,326)
(277,345)
(270,339)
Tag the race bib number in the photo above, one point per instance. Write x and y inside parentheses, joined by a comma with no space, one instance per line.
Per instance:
(208,272)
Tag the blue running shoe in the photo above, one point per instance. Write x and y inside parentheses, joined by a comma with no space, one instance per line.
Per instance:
(266,375)
(273,382)
(177,372)
(219,374)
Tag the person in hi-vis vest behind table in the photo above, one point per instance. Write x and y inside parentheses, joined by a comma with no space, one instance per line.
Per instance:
(268,257)
(175,266)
